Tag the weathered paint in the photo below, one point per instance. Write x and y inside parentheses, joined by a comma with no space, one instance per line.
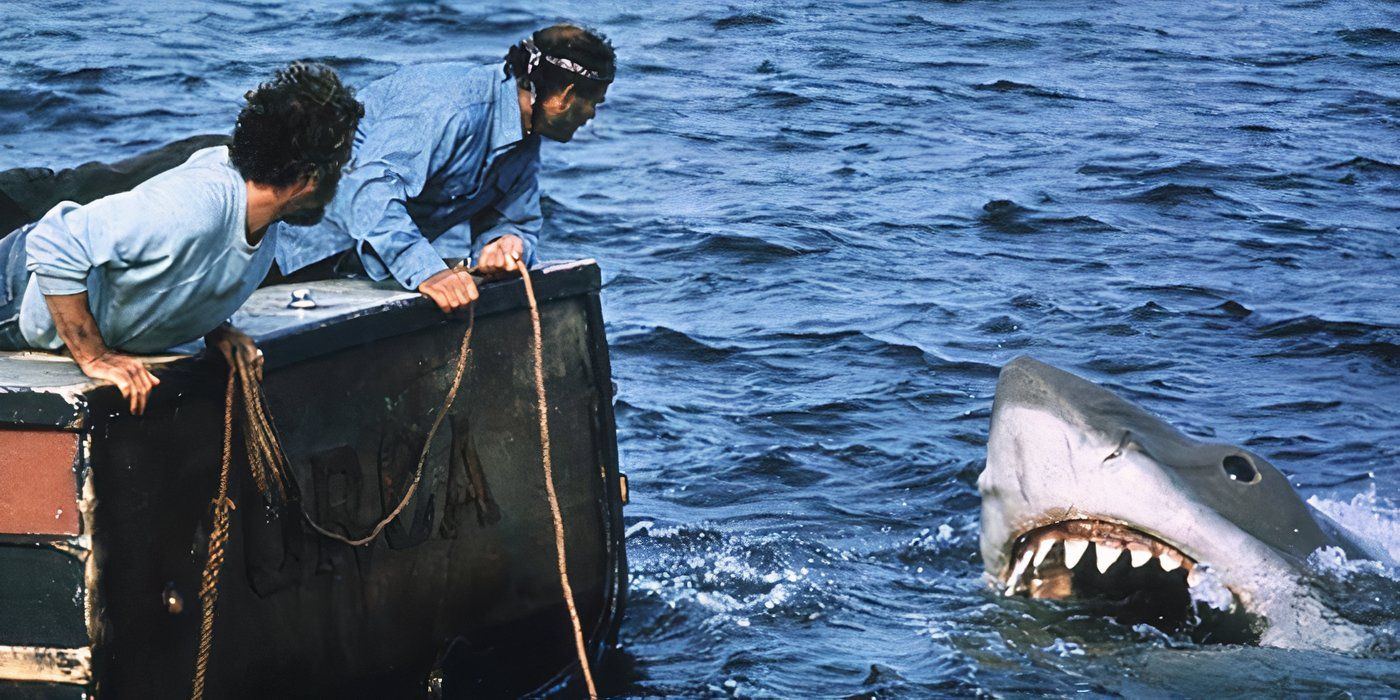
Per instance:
(40,494)
(46,664)
(41,596)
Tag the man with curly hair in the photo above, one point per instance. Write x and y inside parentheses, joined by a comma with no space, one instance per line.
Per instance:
(172,259)
(446,165)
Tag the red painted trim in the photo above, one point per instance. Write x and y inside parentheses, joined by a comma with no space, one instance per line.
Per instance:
(38,486)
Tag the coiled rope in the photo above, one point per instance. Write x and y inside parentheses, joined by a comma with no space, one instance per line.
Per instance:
(268,463)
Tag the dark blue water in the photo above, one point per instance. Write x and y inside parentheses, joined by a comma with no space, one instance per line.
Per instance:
(824,226)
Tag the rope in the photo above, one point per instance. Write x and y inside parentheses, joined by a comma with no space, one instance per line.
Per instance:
(462,356)
(218,537)
(260,441)
(559,550)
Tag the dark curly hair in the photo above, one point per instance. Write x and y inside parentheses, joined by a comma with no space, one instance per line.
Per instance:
(585,47)
(299,124)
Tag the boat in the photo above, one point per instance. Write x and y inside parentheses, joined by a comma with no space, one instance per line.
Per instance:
(105,516)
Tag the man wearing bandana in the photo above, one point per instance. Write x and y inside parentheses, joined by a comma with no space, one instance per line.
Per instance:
(446,165)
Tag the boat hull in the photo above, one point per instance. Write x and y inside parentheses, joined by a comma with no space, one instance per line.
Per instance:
(463,586)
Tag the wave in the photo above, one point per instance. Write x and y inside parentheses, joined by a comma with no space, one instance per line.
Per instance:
(663,342)
(20,104)
(1313,325)
(431,19)
(1279,59)
(1235,309)
(1365,164)
(859,346)
(747,248)
(1026,89)
(1173,193)
(1003,42)
(1007,216)
(748,19)
(82,76)
(781,98)
(1370,36)
(1194,169)
(1387,353)
(1310,336)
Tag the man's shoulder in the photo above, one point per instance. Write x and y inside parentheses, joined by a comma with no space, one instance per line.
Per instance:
(207,165)
(203,193)
(446,83)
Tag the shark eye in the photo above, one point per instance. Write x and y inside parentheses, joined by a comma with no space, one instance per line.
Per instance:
(1240,469)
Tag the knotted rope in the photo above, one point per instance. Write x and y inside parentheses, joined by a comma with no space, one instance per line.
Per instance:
(218,537)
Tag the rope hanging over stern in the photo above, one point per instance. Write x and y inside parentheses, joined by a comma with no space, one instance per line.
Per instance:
(268,466)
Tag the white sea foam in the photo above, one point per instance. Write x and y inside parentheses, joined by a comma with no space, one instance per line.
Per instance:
(1374,520)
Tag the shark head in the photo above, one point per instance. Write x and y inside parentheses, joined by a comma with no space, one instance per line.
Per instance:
(1086,495)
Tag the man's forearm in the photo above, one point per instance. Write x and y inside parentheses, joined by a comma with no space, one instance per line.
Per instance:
(76,326)
(78,330)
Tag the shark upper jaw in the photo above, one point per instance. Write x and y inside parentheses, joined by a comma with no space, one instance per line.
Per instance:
(1044,561)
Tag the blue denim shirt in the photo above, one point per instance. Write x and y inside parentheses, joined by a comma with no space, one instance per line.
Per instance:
(438,154)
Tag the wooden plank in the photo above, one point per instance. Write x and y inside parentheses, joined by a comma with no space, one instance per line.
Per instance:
(29,690)
(40,496)
(46,664)
(41,597)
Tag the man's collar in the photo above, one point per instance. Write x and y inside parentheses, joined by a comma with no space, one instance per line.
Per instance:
(506,131)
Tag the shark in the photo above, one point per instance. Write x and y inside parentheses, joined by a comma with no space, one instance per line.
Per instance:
(1088,497)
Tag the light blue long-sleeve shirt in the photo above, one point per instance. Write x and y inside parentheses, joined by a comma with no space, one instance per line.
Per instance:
(439,152)
(162,265)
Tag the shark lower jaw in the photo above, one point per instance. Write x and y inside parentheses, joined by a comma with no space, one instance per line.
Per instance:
(1134,576)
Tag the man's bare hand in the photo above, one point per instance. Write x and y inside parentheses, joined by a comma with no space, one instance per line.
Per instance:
(235,346)
(500,256)
(450,289)
(127,372)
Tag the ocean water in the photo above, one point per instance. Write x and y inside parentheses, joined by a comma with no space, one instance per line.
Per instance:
(824,226)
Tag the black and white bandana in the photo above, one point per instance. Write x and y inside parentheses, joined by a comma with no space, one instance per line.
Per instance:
(536,56)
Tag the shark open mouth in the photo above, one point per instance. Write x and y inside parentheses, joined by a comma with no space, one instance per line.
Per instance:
(1132,576)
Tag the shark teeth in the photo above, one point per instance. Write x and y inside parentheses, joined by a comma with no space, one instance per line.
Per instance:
(1139,556)
(1195,576)
(1021,565)
(1074,550)
(1043,550)
(1038,569)
(1106,554)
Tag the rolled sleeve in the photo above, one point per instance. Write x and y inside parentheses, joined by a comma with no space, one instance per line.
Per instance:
(64,247)
(59,286)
